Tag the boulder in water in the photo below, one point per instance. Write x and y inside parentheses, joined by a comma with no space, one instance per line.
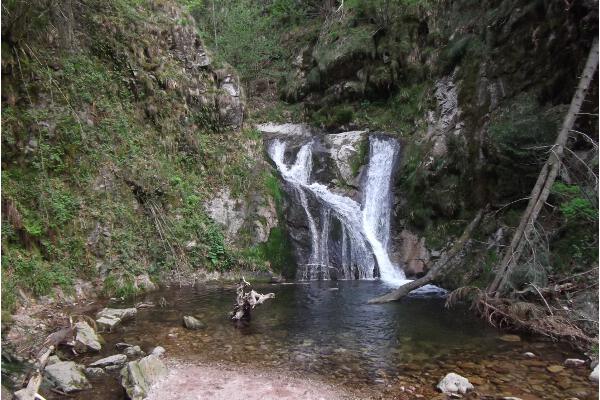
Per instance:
(574,362)
(67,376)
(454,383)
(193,323)
(117,359)
(110,318)
(86,338)
(138,376)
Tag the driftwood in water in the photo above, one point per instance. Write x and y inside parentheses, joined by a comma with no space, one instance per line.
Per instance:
(435,271)
(245,302)
(30,392)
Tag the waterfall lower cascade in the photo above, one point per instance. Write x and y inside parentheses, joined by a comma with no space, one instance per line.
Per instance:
(363,232)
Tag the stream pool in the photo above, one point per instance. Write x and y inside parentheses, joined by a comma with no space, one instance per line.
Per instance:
(327,330)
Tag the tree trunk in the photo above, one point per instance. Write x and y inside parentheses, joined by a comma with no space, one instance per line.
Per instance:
(30,391)
(443,264)
(245,303)
(548,174)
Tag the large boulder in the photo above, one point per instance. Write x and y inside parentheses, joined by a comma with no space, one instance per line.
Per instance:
(137,377)
(454,383)
(86,338)
(110,318)
(67,376)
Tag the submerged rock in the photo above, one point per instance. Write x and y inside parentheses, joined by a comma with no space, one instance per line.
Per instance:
(117,359)
(110,318)
(555,368)
(86,338)
(138,376)
(454,383)
(67,376)
(510,338)
(574,362)
(193,323)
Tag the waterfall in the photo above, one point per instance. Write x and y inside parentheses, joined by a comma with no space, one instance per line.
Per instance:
(365,229)
(376,211)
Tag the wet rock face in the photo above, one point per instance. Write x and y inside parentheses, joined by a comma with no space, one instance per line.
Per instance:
(412,254)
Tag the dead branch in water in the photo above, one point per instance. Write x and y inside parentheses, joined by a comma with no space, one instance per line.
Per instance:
(245,303)
(522,315)
(437,268)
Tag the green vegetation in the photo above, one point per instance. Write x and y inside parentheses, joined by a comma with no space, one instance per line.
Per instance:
(245,33)
(106,169)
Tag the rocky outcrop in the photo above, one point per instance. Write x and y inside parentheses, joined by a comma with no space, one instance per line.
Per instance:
(348,150)
(229,101)
(445,120)
(299,130)
(139,376)
(67,376)
(228,212)
(256,214)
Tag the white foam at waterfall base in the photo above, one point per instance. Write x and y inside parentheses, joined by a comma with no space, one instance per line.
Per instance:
(366,229)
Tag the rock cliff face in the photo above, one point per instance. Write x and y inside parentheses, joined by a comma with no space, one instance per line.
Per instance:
(475,91)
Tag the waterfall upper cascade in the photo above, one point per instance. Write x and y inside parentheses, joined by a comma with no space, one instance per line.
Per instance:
(362,237)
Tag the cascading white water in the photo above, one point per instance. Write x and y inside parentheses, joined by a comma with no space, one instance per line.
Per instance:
(365,230)
(377,205)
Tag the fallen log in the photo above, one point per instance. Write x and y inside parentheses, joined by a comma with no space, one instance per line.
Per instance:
(245,303)
(435,271)
(543,185)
